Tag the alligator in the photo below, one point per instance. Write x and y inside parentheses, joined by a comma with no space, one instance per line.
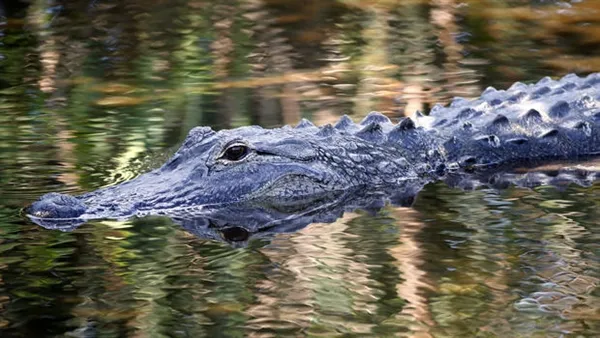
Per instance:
(525,125)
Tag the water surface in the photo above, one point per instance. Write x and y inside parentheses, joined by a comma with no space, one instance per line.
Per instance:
(93,93)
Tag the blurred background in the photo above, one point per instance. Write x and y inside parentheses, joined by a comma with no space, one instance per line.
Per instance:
(94,92)
(98,83)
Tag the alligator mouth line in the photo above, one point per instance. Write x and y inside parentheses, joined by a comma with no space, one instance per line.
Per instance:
(310,185)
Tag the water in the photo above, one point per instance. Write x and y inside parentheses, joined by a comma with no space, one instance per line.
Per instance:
(93,93)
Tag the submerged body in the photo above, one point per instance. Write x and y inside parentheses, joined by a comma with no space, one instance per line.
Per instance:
(550,120)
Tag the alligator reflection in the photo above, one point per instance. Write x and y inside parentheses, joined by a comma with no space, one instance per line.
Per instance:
(238,223)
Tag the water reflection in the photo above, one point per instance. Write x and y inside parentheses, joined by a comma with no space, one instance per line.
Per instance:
(93,93)
(492,266)
(454,264)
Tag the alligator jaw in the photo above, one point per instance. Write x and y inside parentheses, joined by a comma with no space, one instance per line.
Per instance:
(115,202)
(55,205)
(57,211)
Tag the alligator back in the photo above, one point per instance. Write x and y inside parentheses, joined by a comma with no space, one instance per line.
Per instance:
(552,119)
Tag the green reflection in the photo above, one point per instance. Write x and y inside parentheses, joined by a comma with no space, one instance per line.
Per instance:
(93,93)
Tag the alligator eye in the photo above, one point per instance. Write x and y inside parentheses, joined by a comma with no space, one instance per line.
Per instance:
(236,152)
(235,234)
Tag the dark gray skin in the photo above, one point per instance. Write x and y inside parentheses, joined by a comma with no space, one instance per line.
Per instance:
(522,126)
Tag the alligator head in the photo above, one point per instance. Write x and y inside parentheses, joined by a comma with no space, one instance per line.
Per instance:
(245,164)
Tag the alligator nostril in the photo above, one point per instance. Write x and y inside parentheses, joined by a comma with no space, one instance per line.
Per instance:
(54,205)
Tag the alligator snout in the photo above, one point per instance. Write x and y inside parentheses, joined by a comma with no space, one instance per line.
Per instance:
(55,205)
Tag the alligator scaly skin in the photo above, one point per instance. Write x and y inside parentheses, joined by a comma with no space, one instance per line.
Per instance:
(522,126)
(547,120)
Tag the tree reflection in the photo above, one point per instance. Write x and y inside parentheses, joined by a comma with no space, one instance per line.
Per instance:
(95,92)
